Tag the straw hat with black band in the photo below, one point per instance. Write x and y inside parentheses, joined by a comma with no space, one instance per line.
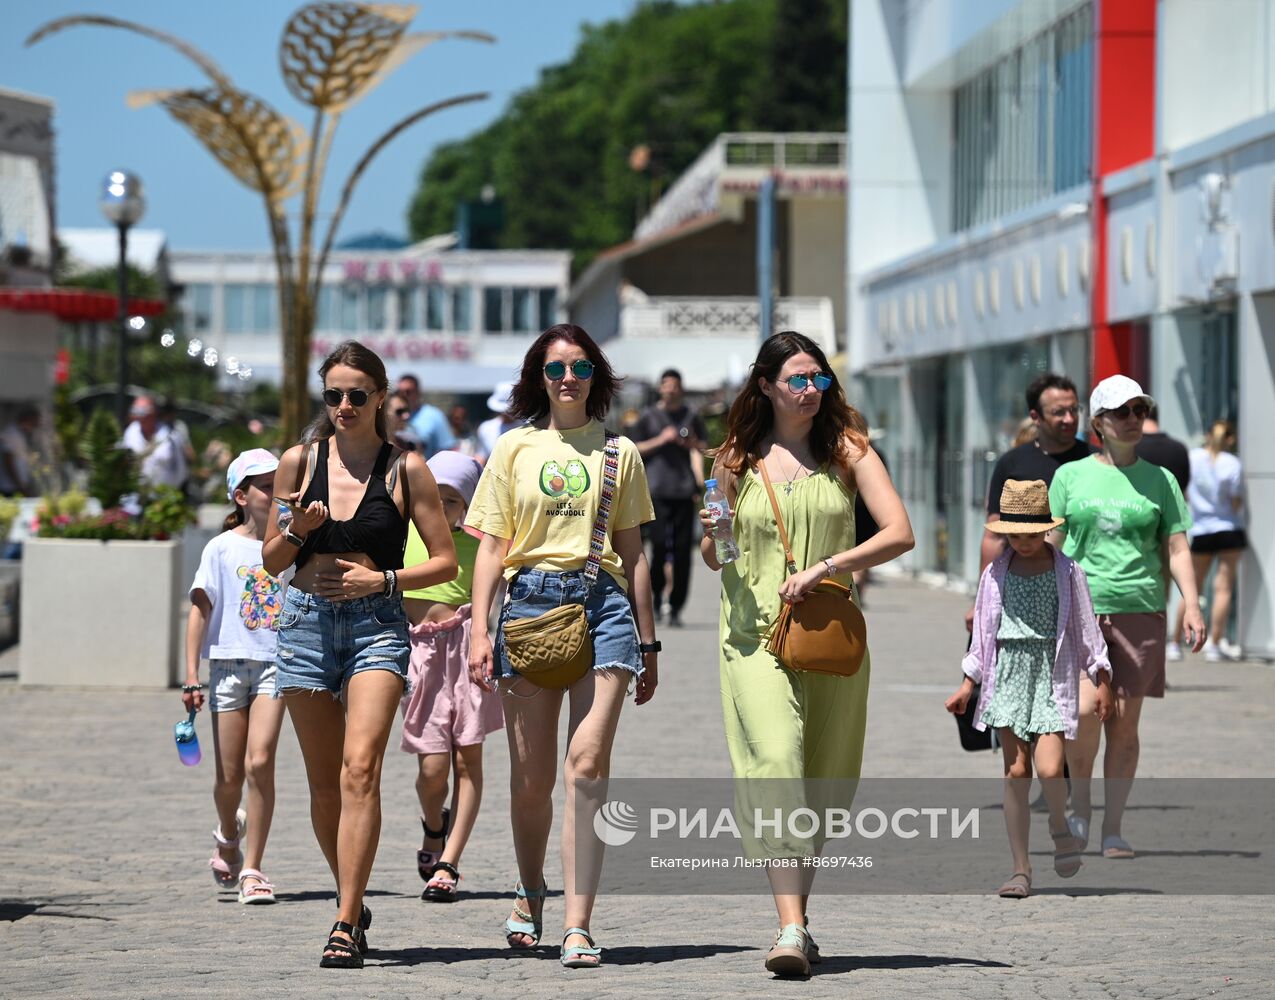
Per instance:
(1024,509)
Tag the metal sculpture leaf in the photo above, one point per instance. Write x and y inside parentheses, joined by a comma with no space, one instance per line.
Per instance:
(185,48)
(331,52)
(262,148)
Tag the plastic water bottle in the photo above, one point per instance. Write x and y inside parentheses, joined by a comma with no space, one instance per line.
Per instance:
(723,535)
(187,741)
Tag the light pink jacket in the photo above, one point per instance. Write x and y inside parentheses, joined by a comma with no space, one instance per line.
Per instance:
(1080,645)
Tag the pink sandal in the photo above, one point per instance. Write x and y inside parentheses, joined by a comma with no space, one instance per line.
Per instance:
(261,892)
(226,873)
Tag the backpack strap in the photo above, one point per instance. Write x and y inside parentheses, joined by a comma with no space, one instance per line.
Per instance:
(400,462)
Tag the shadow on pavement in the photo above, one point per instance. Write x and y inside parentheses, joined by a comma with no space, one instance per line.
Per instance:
(852,963)
(13,910)
(610,956)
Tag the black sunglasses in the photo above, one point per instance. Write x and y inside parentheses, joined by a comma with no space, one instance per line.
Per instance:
(357,397)
(400,411)
(581,368)
(1139,410)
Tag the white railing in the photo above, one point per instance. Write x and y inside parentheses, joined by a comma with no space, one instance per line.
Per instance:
(695,192)
(677,317)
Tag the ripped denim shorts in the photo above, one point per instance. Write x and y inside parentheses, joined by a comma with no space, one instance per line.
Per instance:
(323,643)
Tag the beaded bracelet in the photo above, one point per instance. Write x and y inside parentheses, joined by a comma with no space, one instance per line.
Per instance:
(188,688)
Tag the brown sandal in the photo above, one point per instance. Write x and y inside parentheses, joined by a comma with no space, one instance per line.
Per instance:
(1067,859)
(1017,886)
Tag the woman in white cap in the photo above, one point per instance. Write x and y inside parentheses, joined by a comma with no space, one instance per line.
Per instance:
(1121,513)
(234,619)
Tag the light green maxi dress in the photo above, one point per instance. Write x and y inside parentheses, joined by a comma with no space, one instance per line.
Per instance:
(783,723)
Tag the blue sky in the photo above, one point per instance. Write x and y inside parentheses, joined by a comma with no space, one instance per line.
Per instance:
(89,71)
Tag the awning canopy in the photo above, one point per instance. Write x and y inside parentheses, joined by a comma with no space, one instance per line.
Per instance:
(75,304)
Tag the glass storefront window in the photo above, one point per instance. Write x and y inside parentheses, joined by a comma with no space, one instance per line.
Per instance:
(377,296)
(524,303)
(462,308)
(349,306)
(435,307)
(200,307)
(327,309)
(407,309)
(264,309)
(235,308)
(493,310)
(548,307)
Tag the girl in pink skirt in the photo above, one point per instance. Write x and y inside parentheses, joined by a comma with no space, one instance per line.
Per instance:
(446,715)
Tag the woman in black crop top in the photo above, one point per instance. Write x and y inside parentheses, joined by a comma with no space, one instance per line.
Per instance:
(342,630)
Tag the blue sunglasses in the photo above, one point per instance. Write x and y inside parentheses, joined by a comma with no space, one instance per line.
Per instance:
(798,383)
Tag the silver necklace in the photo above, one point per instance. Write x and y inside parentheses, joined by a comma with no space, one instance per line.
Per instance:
(793,478)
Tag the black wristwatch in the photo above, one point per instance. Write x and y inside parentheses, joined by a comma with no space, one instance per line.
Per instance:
(288,536)
(650,647)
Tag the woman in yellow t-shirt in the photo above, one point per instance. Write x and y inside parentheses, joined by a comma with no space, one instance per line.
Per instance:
(536,504)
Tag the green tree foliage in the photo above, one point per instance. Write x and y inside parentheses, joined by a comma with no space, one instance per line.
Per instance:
(671,77)
(111,469)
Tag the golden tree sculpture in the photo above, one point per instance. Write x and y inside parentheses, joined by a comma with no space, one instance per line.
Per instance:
(332,54)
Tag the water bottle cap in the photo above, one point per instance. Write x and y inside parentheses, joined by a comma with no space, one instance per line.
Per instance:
(710,484)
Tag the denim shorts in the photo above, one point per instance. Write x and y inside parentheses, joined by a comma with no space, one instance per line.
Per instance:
(234,683)
(322,643)
(607,611)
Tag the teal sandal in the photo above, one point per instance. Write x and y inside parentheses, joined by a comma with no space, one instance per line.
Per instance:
(790,954)
(526,923)
(576,957)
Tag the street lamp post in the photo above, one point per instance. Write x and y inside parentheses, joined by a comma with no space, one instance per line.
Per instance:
(122,203)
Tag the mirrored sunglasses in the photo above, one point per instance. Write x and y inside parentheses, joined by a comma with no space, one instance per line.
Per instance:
(798,383)
(357,397)
(581,368)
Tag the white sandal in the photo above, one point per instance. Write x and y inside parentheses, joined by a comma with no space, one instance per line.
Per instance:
(262,892)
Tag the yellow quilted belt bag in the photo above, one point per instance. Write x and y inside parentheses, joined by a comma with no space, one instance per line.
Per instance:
(554,650)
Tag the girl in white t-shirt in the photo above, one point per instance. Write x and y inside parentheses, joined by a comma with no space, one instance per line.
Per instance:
(234,618)
(1216,498)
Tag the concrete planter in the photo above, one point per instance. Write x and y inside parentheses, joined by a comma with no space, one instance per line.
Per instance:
(100,613)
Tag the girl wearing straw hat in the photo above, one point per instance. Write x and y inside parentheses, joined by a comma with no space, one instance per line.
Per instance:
(1034,632)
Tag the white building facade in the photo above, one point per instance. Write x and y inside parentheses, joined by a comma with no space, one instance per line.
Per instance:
(1080,186)
(460,320)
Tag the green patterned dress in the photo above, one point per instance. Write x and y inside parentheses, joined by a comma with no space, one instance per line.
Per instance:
(1023,699)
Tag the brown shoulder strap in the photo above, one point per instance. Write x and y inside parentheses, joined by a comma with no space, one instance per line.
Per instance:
(779,521)
(400,462)
(305,470)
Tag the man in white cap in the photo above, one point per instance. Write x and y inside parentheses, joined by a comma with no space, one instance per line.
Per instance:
(490,430)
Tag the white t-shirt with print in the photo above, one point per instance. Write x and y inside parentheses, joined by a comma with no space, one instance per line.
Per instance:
(246,600)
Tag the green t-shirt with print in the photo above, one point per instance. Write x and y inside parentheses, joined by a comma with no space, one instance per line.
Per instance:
(1117,519)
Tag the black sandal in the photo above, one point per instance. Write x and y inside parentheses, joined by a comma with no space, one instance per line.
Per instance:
(440,890)
(425,860)
(365,921)
(348,953)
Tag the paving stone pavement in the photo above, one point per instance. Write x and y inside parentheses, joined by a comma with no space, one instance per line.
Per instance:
(104,890)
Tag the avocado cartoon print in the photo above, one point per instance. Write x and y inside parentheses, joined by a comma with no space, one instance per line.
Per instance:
(569,479)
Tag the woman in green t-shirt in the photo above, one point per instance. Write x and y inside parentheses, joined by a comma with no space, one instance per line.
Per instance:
(1122,514)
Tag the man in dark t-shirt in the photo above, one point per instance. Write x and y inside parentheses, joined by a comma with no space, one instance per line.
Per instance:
(1054,407)
(1159,449)
(671,438)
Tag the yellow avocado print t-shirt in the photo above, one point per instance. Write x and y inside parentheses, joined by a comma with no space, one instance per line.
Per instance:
(541,489)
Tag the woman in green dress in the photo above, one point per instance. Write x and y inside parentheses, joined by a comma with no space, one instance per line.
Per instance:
(792,416)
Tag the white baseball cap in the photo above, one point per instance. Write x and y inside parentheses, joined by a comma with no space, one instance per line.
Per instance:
(1115,391)
(252,462)
(500,398)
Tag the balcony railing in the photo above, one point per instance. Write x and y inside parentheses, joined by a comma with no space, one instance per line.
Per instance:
(751,153)
(735,317)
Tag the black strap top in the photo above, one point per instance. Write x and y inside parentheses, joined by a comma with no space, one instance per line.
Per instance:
(377,529)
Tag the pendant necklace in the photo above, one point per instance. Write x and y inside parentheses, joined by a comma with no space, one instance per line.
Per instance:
(789,484)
